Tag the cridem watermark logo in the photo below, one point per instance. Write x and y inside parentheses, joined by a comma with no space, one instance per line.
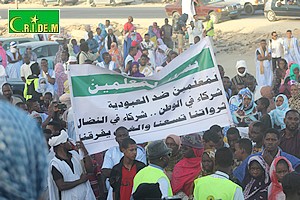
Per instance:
(33,21)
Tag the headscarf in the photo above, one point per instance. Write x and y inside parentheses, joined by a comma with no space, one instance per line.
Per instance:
(243,114)
(278,114)
(13,47)
(188,169)
(294,101)
(256,187)
(57,140)
(113,48)
(3,55)
(115,54)
(156,30)
(138,73)
(287,73)
(43,87)
(160,58)
(66,87)
(60,78)
(293,76)
(150,32)
(247,93)
(58,55)
(211,154)
(103,31)
(23,152)
(175,157)
(176,139)
(241,64)
(275,188)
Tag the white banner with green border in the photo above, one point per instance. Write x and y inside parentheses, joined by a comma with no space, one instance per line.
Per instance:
(186,96)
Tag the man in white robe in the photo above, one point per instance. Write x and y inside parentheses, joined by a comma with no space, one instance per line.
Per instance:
(291,48)
(264,73)
(67,176)
(14,59)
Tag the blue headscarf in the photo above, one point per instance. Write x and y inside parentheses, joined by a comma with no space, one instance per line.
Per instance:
(150,32)
(23,153)
(103,31)
(236,100)
(240,113)
(278,114)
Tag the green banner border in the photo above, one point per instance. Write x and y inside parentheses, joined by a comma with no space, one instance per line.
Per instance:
(80,84)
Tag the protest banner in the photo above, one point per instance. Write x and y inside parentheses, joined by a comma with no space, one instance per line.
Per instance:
(187,96)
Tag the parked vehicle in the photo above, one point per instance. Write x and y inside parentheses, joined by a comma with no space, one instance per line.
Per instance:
(112,2)
(250,6)
(43,49)
(278,9)
(17,86)
(217,9)
(18,40)
(59,2)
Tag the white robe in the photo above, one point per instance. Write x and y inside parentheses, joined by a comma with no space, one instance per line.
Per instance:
(111,65)
(13,70)
(291,50)
(80,192)
(266,78)
(189,9)
(151,47)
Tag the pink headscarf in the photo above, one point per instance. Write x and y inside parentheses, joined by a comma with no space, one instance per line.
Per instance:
(60,78)
(275,188)
(175,138)
(3,55)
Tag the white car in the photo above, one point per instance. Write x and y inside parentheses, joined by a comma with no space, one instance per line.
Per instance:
(250,6)
(43,49)
(19,40)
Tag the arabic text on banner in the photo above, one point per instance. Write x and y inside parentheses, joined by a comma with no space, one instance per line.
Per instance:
(187,96)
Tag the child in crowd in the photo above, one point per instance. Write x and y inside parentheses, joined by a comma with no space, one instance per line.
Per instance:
(134,70)
(208,163)
(257,179)
(122,174)
(262,107)
(279,168)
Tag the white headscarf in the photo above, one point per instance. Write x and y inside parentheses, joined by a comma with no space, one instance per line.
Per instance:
(13,47)
(60,139)
(240,64)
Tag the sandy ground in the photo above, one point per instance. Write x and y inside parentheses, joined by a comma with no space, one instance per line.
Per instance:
(234,40)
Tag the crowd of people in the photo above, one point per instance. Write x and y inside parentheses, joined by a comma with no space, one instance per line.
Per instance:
(258,157)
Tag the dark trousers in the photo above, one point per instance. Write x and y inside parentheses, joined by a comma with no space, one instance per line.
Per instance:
(275,62)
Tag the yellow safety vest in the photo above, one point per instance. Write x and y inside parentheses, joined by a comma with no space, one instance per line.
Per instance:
(150,174)
(210,24)
(27,93)
(211,188)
